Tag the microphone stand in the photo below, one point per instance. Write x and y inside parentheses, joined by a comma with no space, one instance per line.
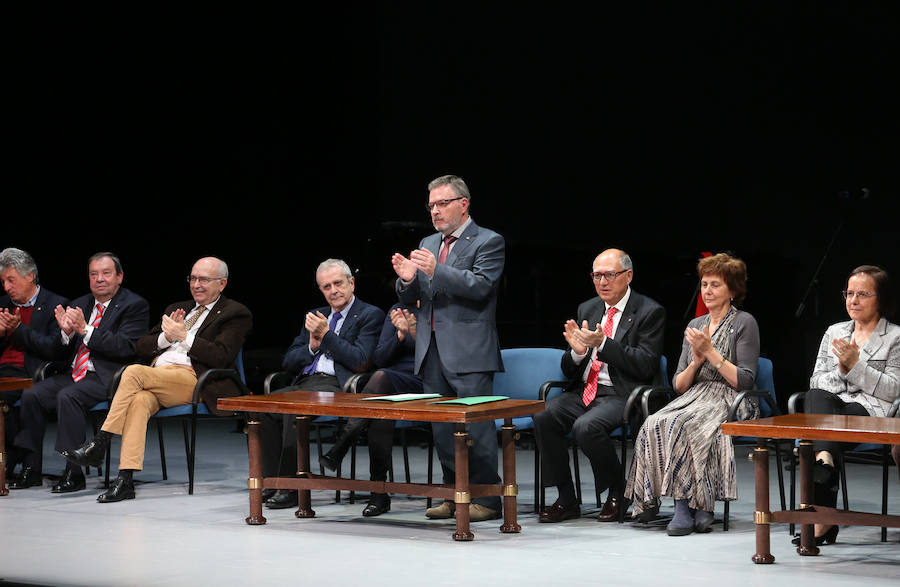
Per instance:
(814,282)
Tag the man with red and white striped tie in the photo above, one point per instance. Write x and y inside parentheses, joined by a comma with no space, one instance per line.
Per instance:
(614,346)
(99,331)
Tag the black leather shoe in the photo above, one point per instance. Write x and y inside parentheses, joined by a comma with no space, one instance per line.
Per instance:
(30,477)
(89,454)
(378,504)
(283,498)
(267,494)
(559,512)
(72,480)
(121,490)
(830,537)
(351,431)
(610,511)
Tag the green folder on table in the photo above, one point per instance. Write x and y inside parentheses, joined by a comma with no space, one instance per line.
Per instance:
(474,400)
(402,397)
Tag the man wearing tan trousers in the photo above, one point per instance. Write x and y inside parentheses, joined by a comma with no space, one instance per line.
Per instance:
(204,333)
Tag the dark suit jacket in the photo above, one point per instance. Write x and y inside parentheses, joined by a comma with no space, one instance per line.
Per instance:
(462,294)
(351,350)
(633,355)
(39,339)
(216,345)
(112,342)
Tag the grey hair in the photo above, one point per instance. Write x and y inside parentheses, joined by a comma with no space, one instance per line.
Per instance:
(625,261)
(329,263)
(455,182)
(102,255)
(18,260)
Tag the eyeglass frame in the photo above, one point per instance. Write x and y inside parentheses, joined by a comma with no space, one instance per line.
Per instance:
(441,204)
(202,280)
(862,295)
(606,274)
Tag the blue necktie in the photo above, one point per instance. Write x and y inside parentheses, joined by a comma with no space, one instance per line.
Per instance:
(331,325)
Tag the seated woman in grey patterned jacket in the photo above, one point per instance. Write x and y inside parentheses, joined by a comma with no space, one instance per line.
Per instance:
(857,373)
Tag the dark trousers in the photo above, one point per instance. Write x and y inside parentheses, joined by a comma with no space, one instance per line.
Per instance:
(818,401)
(69,400)
(591,426)
(484,450)
(278,433)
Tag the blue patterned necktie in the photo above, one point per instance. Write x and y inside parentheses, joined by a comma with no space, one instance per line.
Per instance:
(331,326)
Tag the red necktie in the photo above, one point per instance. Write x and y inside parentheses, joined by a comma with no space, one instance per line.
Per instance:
(442,258)
(445,248)
(79,370)
(590,386)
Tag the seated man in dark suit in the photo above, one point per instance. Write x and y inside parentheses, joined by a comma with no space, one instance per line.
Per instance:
(614,347)
(28,333)
(336,341)
(205,332)
(98,331)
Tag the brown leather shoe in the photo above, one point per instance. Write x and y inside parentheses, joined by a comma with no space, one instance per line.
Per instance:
(444,511)
(610,511)
(480,513)
(559,512)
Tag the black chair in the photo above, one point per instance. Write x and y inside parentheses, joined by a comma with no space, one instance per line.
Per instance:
(189,415)
(631,419)
(865,453)
(280,379)
(764,391)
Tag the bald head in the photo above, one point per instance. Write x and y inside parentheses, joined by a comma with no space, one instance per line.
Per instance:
(612,273)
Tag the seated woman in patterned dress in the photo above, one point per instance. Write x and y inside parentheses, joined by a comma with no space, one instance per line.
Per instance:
(857,373)
(679,450)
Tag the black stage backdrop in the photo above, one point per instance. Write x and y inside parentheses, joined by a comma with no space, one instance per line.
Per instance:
(276,140)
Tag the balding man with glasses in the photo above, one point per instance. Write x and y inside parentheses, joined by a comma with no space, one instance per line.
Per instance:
(614,346)
(205,332)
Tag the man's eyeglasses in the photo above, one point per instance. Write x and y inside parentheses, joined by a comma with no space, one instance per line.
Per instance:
(862,295)
(609,275)
(201,280)
(440,204)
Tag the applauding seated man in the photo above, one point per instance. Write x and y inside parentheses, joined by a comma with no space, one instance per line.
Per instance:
(29,334)
(615,345)
(98,332)
(395,358)
(206,332)
(336,341)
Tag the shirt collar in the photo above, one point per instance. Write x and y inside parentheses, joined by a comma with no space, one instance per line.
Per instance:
(30,302)
(620,305)
(462,228)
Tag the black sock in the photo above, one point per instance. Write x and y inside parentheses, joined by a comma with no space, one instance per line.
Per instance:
(102,436)
(76,470)
(567,494)
(125,474)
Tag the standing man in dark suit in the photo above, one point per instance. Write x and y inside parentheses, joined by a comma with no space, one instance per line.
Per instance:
(193,336)
(455,274)
(336,341)
(99,331)
(29,335)
(615,345)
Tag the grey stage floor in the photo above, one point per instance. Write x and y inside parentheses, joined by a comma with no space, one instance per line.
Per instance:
(167,537)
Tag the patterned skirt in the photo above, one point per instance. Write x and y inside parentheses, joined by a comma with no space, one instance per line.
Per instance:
(681,453)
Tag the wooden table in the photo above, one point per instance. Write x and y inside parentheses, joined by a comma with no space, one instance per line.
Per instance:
(7,384)
(306,405)
(806,428)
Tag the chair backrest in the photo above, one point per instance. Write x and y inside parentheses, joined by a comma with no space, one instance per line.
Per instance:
(664,372)
(525,370)
(765,380)
(239,365)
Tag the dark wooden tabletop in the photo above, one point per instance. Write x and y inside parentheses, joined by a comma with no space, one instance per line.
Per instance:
(820,427)
(350,405)
(10,383)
